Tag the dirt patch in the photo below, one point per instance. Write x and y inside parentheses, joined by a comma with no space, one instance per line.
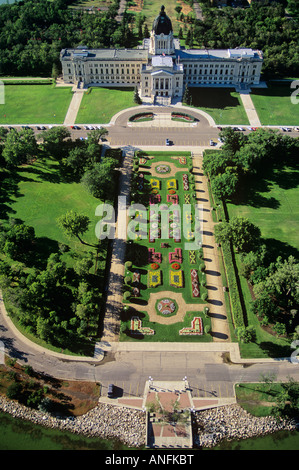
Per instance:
(71,397)
(138,7)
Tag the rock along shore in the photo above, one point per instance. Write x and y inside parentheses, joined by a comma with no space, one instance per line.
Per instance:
(232,422)
(104,421)
(129,426)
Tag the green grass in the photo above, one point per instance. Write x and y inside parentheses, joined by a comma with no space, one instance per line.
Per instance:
(274,106)
(99,105)
(273,206)
(223,104)
(34,104)
(167,333)
(138,253)
(37,196)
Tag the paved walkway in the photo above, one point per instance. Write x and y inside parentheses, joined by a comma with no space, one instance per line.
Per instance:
(216,301)
(114,303)
(252,115)
(74,106)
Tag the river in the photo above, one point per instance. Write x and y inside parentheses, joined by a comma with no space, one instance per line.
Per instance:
(17,434)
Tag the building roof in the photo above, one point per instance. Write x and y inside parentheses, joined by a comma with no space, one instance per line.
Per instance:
(162,23)
(162,61)
(212,54)
(106,54)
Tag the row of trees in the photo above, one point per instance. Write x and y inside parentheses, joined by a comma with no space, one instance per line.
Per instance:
(233,171)
(32,33)
(263,26)
(78,160)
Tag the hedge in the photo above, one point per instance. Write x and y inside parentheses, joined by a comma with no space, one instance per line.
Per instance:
(235,300)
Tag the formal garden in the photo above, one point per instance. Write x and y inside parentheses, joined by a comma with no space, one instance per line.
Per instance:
(165,294)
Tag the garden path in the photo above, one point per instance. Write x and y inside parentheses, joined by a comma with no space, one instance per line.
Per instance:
(170,174)
(216,301)
(183,307)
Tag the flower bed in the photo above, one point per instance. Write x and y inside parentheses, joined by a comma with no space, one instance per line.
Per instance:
(192,257)
(175,266)
(194,283)
(176,278)
(155,184)
(183,160)
(154,278)
(185,182)
(141,117)
(154,266)
(182,117)
(195,329)
(172,184)
(166,306)
(138,329)
(163,169)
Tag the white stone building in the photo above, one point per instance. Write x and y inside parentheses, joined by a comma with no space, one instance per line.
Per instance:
(161,68)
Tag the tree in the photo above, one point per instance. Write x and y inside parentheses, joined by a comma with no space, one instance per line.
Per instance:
(19,147)
(99,179)
(245,235)
(74,225)
(187,97)
(224,185)
(55,141)
(18,242)
(246,334)
(137,98)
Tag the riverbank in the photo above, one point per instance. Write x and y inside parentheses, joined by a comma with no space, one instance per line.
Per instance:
(104,421)
(211,427)
(232,422)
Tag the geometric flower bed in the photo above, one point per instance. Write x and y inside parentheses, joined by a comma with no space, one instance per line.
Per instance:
(195,329)
(154,278)
(185,182)
(183,160)
(163,169)
(192,257)
(138,329)
(172,184)
(176,278)
(176,256)
(166,306)
(155,184)
(195,283)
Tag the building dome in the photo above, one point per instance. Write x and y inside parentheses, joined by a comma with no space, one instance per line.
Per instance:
(162,24)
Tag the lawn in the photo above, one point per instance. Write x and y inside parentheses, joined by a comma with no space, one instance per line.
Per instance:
(173,262)
(223,104)
(274,106)
(99,105)
(271,204)
(34,104)
(37,196)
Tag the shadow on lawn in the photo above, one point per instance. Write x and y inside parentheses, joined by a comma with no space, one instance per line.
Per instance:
(209,99)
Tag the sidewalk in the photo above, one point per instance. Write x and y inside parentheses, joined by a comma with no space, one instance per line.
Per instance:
(74,106)
(252,115)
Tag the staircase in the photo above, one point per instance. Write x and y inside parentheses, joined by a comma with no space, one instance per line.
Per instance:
(162,100)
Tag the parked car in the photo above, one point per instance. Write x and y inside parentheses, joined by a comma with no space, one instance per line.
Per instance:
(110,393)
(212,142)
(167,142)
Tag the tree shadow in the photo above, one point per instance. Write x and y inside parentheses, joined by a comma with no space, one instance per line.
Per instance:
(277,248)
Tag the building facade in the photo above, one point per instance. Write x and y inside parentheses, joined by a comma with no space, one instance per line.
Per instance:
(161,68)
